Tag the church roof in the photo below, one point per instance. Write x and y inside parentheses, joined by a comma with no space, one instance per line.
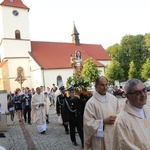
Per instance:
(56,55)
(14,3)
(2,63)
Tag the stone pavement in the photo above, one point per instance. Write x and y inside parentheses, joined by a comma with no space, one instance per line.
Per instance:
(21,136)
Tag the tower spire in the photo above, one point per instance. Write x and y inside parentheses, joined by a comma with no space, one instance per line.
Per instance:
(75,35)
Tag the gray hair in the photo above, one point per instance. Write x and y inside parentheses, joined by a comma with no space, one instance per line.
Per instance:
(129,84)
(98,78)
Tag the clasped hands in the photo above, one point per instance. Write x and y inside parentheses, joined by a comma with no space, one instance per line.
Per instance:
(66,123)
(110,120)
(41,104)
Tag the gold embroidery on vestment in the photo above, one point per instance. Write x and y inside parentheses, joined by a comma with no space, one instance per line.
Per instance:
(147,123)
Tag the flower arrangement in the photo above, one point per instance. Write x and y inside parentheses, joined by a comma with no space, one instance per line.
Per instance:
(79,84)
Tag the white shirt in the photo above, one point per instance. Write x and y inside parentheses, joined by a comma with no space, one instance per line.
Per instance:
(139,111)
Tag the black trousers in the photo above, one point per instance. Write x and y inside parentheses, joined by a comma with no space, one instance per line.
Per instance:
(73,126)
(66,127)
(27,110)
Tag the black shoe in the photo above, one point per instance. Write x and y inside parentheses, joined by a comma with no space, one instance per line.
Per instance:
(74,143)
(43,132)
(67,132)
(2,135)
(29,123)
(12,119)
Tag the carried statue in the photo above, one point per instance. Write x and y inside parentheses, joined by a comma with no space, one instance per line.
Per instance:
(76,63)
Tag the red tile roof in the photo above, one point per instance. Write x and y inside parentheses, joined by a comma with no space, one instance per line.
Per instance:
(16,3)
(2,63)
(56,55)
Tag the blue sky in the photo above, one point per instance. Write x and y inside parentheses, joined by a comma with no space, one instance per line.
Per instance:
(102,22)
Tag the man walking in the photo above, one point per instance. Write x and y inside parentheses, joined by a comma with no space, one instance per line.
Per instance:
(73,107)
(26,105)
(132,126)
(60,106)
(39,117)
(99,116)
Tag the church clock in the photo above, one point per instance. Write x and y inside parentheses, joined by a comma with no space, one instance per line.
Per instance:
(15,12)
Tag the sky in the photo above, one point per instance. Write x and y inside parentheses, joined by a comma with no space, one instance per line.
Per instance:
(102,22)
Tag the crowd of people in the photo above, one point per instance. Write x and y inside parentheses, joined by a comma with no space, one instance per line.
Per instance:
(29,104)
(98,119)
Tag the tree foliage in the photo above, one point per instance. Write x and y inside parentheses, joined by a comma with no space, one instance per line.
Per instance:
(134,48)
(147,41)
(114,72)
(114,51)
(90,70)
(145,73)
(132,70)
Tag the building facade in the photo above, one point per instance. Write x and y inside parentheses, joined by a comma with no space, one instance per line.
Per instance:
(34,63)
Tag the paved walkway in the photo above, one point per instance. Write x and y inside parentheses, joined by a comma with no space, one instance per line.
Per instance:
(21,136)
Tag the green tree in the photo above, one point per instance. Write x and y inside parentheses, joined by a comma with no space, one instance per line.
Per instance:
(147,41)
(90,70)
(114,51)
(132,70)
(145,73)
(131,48)
(114,72)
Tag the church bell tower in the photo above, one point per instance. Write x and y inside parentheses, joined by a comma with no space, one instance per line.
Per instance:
(15,42)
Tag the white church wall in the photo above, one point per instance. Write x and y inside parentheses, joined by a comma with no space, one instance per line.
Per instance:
(17,48)
(1,51)
(1,26)
(102,70)
(19,22)
(33,65)
(51,76)
(37,78)
(105,62)
(3,101)
(13,64)
(36,74)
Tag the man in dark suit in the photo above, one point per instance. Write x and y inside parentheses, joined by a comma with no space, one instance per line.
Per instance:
(60,106)
(73,108)
(26,104)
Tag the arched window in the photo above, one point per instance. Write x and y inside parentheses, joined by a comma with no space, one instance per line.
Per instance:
(59,81)
(12,1)
(17,34)
(20,76)
(20,72)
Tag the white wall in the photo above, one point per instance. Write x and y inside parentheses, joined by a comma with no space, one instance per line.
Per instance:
(105,63)
(48,77)
(51,76)
(15,48)
(11,23)
(13,64)
(3,101)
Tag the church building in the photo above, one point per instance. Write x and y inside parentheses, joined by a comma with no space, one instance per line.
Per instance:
(26,63)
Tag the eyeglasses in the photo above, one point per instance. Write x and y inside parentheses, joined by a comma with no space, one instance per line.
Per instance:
(138,93)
